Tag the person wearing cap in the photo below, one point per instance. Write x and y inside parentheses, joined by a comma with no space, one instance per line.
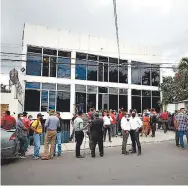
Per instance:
(96,129)
(27,124)
(135,125)
(58,136)
(36,126)
(79,134)
(51,125)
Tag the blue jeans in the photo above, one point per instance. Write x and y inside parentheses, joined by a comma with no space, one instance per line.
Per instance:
(36,144)
(181,134)
(58,143)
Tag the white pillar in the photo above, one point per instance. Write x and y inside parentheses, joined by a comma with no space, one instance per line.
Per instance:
(129,89)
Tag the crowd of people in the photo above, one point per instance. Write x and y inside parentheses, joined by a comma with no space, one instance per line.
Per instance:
(100,123)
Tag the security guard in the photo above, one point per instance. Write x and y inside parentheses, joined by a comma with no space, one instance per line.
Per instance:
(96,129)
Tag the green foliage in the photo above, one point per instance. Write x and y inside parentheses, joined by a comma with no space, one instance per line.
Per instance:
(176,88)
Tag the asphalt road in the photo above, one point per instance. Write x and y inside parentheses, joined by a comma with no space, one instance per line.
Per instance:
(160,163)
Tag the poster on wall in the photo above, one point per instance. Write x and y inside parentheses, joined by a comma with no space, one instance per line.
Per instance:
(4,107)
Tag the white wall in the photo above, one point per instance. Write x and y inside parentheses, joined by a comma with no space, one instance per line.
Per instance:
(14,104)
(171,108)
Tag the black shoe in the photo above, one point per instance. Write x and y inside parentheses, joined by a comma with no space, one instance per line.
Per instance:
(139,154)
(101,155)
(110,141)
(133,152)
(58,154)
(80,156)
(93,156)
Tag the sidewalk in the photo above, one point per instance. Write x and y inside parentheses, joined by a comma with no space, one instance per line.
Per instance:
(116,141)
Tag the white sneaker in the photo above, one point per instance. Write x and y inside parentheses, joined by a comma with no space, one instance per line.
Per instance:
(22,157)
(35,158)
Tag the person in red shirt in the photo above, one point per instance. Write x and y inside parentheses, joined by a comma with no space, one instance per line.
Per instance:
(27,123)
(113,123)
(164,118)
(8,122)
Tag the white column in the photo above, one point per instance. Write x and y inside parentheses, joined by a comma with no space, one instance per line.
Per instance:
(97,102)
(72,87)
(129,89)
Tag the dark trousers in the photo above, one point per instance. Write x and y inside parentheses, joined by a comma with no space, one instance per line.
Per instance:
(135,140)
(72,135)
(165,125)
(124,143)
(94,142)
(79,136)
(23,142)
(177,137)
(153,129)
(107,128)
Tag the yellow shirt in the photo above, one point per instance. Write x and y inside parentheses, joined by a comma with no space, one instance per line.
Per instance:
(37,124)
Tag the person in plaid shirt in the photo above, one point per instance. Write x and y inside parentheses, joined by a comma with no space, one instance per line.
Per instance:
(182,124)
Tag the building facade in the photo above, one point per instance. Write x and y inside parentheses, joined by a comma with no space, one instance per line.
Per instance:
(64,69)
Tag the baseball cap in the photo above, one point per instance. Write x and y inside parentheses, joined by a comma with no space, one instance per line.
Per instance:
(39,115)
(25,113)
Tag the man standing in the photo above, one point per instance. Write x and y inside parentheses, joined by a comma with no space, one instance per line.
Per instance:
(36,127)
(8,122)
(27,124)
(96,129)
(51,125)
(79,134)
(164,118)
(135,125)
(58,136)
(182,125)
(153,120)
(22,135)
(125,126)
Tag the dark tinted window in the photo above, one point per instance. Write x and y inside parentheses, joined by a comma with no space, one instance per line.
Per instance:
(32,85)
(146,103)
(113,102)
(103,59)
(103,101)
(33,65)
(30,103)
(136,92)
(92,57)
(123,71)
(53,61)
(136,103)
(45,66)
(91,101)
(64,54)
(145,74)
(64,67)
(155,75)
(146,93)
(103,90)
(113,72)
(106,72)
(92,67)
(136,73)
(52,100)
(80,88)
(81,101)
(156,93)
(48,86)
(123,101)
(63,101)
(49,51)
(101,72)
(91,89)
(113,60)
(44,101)
(81,56)
(155,103)
(80,70)
(63,87)
(34,49)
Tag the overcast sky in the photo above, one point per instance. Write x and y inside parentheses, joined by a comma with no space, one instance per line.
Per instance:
(161,23)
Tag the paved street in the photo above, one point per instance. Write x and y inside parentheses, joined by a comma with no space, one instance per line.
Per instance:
(160,163)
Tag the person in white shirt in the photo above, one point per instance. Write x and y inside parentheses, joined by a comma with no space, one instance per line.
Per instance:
(125,126)
(135,125)
(107,126)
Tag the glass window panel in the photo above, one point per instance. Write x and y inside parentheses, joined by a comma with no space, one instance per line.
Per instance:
(32,85)
(105,72)
(155,103)
(80,88)
(64,54)
(103,59)
(103,101)
(81,56)
(146,93)
(91,101)
(113,102)
(145,73)
(44,101)
(136,73)
(92,57)
(64,68)
(136,103)
(123,103)
(103,90)
(48,86)
(45,66)
(155,75)
(29,104)
(33,65)
(123,71)
(34,49)
(113,73)
(113,60)
(80,69)
(92,67)
(63,87)
(101,72)
(146,103)
(136,92)
(91,89)
(53,61)
(123,91)
(81,101)
(156,93)
(49,51)
(113,90)
(63,101)
(52,99)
